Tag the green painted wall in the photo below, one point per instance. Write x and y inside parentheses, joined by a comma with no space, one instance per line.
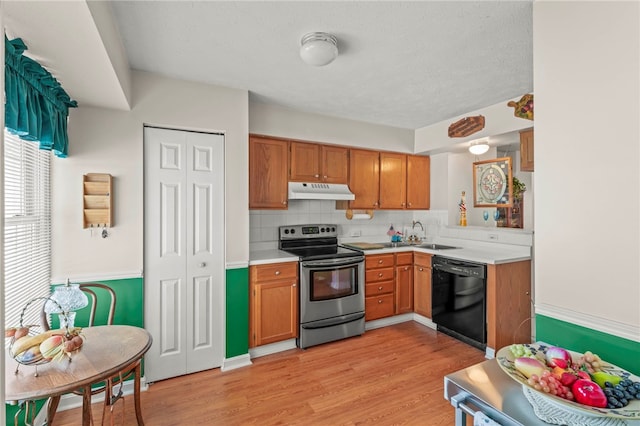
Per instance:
(622,352)
(129,311)
(237,319)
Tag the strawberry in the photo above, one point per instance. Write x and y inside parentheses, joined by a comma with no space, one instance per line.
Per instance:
(559,362)
(567,378)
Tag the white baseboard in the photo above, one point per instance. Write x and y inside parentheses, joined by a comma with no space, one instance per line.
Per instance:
(70,401)
(424,321)
(384,322)
(235,362)
(272,348)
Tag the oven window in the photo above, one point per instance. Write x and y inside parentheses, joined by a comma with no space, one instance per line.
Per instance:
(333,284)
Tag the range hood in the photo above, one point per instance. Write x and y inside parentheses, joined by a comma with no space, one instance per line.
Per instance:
(319,191)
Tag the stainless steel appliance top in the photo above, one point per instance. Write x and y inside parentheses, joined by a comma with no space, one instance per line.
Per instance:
(485,387)
(314,241)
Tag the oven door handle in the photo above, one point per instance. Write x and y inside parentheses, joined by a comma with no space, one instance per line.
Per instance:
(332,322)
(332,263)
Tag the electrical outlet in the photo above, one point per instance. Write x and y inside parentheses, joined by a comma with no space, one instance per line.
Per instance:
(355,233)
(493,237)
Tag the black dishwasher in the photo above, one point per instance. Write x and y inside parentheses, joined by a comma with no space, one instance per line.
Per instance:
(458,299)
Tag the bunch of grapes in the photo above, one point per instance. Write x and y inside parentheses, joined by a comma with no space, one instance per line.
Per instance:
(519,350)
(548,383)
(590,361)
(620,395)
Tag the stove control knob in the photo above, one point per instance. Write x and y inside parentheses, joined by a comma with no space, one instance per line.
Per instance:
(333,229)
(286,231)
(293,231)
(321,229)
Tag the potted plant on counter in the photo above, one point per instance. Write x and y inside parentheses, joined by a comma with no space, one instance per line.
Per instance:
(517,188)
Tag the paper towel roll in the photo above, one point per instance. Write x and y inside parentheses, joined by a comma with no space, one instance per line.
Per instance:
(361,216)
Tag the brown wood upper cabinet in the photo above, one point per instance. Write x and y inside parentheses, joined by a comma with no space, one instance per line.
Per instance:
(418,182)
(393,181)
(311,162)
(364,178)
(526,150)
(268,159)
(389,180)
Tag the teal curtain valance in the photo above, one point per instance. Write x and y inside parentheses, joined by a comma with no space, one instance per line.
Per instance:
(36,106)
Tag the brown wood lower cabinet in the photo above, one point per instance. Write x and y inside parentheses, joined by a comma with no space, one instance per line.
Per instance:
(508,304)
(273,303)
(404,282)
(422,284)
(379,286)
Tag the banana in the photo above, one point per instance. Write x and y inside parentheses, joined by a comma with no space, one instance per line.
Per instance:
(26,342)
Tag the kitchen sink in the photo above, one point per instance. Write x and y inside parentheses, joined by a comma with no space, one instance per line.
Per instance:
(433,246)
(390,245)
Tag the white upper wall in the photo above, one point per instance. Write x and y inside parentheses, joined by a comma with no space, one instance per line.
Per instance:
(283,122)
(499,120)
(587,152)
(110,141)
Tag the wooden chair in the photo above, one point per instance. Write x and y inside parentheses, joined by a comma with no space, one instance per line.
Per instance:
(110,398)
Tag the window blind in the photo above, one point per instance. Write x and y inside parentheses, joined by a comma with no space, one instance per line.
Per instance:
(27,228)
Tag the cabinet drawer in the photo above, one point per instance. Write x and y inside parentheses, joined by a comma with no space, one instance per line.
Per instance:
(375,275)
(274,271)
(404,258)
(379,261)
(374,289)
(378,307)
(422,259)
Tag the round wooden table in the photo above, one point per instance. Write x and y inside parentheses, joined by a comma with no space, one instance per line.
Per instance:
(107,350)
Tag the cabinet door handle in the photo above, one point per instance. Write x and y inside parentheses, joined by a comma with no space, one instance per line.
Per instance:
(293,285)
(380,274)
(325,176)
(402,204)
(380,262)
(379,301)
(420,269)
(284,203)
(406,268)
(380,288)
(316,176)
(277,272)
(409,204)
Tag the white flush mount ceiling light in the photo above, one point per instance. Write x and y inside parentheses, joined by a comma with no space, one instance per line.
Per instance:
(479,146)
(318,49)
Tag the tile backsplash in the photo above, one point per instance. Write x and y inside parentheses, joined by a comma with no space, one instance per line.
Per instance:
(264,225)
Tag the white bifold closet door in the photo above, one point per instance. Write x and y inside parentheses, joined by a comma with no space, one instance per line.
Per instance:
(184,270)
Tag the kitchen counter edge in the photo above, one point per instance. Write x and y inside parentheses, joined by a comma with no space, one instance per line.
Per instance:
(493,257)
(263,257)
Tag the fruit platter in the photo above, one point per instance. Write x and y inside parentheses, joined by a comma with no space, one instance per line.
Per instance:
(28,347)
(581,384)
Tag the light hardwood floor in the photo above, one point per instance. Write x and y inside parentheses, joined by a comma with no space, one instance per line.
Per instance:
(388,376)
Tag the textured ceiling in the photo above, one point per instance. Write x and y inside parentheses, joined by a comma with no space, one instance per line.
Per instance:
(401,64)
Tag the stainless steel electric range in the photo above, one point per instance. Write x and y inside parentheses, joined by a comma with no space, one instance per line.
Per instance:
(331,283)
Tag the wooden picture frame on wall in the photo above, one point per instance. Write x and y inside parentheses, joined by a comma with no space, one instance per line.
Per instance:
(492,183)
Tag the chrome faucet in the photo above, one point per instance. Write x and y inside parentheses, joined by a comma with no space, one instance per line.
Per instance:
(413,238)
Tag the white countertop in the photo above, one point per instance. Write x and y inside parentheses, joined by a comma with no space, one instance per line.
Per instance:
(473,251)
(261,257)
